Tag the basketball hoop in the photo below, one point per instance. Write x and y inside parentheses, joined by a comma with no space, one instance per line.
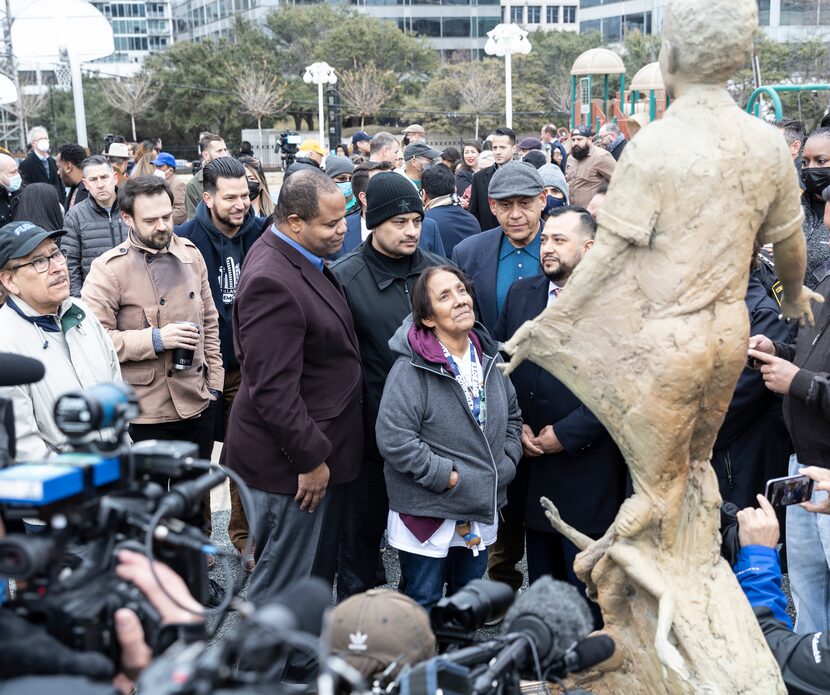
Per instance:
(63,76)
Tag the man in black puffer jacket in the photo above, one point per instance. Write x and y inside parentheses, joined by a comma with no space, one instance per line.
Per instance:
(94,225)
(224,230)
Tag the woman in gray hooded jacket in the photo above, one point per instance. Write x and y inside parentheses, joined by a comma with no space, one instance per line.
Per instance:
(449,429)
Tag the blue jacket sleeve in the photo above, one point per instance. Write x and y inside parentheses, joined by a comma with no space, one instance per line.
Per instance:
(759,574)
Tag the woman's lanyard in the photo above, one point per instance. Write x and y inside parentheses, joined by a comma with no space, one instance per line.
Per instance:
(473,392)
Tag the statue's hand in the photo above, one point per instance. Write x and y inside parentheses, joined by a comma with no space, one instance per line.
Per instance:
(670,658)
(798,308)
(552,513)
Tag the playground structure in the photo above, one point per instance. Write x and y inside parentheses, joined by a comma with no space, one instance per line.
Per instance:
(644,101)
(771,91)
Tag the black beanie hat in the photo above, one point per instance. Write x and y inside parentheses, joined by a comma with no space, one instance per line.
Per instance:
(390,194)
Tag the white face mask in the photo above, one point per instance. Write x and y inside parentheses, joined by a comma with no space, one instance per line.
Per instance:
(14,183)
(160,174)
(43,145)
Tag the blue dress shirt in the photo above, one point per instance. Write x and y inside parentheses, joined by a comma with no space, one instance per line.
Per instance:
(515,264)
(316,261)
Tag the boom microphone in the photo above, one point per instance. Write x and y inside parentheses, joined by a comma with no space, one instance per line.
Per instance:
(552,616)
(584,654)
(16,370)
(183,498)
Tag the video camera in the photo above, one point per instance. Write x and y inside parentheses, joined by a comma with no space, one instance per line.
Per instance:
(544,637)
(82,507)
(289,144)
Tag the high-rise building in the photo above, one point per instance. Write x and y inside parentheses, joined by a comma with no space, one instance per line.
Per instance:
(450,26)
(139,28)
(212,19)
(781,20)
(549,15)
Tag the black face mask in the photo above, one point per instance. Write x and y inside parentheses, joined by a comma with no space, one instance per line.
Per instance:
(253,189)
(816,179)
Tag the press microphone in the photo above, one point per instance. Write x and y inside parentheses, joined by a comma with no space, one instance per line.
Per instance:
(183,497)
(16,370)
(552,616)
(584,654)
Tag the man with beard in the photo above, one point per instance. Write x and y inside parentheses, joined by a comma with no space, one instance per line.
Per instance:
(568,455)
(589,167)
(152,295)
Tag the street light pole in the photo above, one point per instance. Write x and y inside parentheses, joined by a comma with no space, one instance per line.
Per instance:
(320,74)
(505,40)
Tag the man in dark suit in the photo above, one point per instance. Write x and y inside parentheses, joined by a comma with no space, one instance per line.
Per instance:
(495,259)
(294,429)
(568,455)
(39,167)
(356,229)
(454,223)
(503,145)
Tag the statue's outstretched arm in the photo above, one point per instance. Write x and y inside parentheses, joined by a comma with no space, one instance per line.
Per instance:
(580,540)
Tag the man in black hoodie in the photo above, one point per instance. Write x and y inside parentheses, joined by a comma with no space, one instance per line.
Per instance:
(224,229)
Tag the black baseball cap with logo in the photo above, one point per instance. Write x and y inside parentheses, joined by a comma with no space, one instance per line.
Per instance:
(19,239)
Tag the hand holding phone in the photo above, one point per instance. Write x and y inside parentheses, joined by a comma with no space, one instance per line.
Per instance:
(821,477)
(791,489)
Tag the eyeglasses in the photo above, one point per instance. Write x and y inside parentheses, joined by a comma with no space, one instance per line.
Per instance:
(41,265)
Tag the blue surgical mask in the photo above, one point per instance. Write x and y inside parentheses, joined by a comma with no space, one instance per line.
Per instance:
(14,183)
(553,203)
(345,188)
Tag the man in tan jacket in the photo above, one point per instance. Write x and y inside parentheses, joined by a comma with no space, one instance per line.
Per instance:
(152,295)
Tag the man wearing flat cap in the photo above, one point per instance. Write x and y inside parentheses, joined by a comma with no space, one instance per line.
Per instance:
(589,167)
(41,320)
(528,145)
(418,157)
(495,259)
(414,133)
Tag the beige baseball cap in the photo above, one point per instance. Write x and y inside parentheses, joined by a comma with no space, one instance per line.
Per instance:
(414,128)
(375,628)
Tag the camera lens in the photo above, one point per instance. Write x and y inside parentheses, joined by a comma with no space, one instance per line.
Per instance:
(469,608)
(22,557)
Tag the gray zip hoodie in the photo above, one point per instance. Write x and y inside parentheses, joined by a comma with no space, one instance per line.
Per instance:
(425,430)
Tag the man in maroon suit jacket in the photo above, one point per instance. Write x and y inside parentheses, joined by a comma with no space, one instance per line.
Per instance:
(295,429)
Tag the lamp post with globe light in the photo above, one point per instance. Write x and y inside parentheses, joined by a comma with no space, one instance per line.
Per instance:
(505,40)
(320,74)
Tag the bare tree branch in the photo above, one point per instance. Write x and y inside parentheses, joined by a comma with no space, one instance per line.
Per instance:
(30,104)
(260,96)
(132,96)
(366,89)
(478,92)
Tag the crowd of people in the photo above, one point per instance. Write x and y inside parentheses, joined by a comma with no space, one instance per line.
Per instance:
(344,338)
